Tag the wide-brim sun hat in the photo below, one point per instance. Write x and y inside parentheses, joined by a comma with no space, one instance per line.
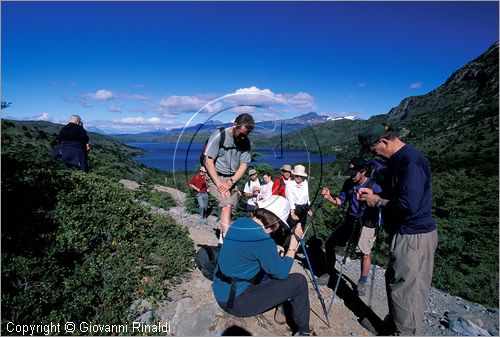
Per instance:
(278,205)
(286,167)
(299,170)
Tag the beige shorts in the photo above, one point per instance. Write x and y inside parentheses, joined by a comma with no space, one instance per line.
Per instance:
(222,200)
(366,240)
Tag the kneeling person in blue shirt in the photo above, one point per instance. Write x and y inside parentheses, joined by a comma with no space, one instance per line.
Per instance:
(247,249)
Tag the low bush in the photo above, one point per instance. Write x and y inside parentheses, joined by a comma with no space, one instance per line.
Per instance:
(77,247)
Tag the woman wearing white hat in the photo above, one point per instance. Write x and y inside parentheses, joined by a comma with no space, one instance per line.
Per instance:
(297,192)
(247,251)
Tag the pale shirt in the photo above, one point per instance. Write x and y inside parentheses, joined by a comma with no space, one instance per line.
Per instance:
(297,194)
(227,161)
(266,190)
(249,187)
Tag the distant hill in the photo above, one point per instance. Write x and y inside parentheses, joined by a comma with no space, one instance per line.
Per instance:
(455,125)
(33,140)
(263,129)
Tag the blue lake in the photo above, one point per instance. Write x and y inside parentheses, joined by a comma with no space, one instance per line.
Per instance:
(161,156)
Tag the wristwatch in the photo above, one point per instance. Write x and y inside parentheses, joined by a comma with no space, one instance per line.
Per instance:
(379,202)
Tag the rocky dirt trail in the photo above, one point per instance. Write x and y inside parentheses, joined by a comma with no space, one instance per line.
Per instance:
(192,310)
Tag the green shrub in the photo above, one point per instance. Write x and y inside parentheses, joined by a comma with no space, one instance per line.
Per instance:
(147,194)
(77,247)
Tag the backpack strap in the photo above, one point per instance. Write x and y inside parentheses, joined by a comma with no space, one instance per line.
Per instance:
(222,137)
(232,281)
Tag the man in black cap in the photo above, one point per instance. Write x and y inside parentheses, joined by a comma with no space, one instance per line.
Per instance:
(406,203)
(359,222)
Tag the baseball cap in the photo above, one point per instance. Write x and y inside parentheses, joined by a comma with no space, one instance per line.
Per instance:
(355,165)
(370,136)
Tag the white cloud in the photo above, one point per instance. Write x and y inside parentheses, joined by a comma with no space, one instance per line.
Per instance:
(134,124)
(101,95)
(256,96)
(302,100)
(174,105)
(138,120)
(351,96)
(416,85)
(362,84)
(44,116)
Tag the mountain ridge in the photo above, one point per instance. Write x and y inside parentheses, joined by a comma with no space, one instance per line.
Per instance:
(454,124)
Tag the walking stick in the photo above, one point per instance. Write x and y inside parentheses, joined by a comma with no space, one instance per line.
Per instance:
(313,277)
(377,244)
(344,260)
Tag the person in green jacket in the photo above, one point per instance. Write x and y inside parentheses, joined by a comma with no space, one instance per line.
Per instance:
(248,252)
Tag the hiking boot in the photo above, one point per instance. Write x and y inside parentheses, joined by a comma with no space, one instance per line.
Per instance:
(279,315)
(361,288)
(323,280)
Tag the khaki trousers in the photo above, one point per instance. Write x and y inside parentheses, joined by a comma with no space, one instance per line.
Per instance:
(408,279)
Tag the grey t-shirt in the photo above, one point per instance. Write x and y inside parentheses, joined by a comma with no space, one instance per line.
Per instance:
(228,159)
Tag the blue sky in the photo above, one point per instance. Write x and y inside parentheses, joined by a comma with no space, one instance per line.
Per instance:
(139,66)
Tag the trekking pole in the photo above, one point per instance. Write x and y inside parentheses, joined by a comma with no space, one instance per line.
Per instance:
(313,277)
(344,260)
(377,245)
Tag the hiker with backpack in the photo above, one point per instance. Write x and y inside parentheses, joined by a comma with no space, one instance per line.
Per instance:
(199,183)
(251,277)
(251,190)
(359,223)
(226,163)
(406,203)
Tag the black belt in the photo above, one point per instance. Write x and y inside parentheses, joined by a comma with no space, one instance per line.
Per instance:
(224,175)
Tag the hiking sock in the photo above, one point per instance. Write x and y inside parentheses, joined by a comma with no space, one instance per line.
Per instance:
(363,278)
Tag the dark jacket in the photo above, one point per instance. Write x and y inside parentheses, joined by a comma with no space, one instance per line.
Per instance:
(72,146)
(408,187)
(367,215)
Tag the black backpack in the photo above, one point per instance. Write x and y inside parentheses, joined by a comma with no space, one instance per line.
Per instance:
(222,138)
(206,260)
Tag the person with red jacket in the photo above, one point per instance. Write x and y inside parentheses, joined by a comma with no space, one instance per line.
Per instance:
(279,184)
(199,183)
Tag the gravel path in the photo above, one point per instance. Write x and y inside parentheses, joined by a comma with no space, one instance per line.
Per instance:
(192,310)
